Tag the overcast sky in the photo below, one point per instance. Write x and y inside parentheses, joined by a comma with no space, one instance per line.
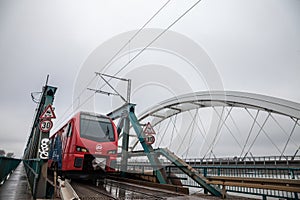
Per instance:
(254,45)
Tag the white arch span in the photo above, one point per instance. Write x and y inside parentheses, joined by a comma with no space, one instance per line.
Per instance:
(191,101)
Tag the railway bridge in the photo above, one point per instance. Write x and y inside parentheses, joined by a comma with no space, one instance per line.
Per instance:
(210,143)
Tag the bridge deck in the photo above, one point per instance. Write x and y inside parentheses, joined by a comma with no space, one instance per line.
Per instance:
(16,187)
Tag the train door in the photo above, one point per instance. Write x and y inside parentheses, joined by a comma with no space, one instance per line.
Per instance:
(55,153)
(68,139)
(68,158)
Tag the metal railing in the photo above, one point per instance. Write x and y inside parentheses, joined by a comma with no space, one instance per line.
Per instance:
(7,165)
(238,171)
(271,160)
(282,173)
(32,168)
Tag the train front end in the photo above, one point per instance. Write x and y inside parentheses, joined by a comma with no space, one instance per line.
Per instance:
(96,144)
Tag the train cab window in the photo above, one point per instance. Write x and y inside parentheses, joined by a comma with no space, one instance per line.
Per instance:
(69,130)
(96,128)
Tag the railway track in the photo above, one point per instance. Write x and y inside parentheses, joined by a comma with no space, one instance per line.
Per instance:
(87,191)
(134,191)
(119,190)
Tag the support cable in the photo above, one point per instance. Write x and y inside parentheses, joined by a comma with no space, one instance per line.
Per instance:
(165,132)
(251,129)
(219,127)
(190,141)
(260,130)
(296,120)
(296,152)
(204,137)
(274,144)
(284,131)
(217,132)
(187,131)
(174,128)
(205,133)
(224,123)
(188,149)
(288,139)
(159,127)
(234,123)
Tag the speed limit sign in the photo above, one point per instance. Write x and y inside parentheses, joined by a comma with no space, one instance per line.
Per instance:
(150,139)
(46,125)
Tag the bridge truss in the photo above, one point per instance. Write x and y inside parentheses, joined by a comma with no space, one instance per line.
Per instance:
(208,122)
(244,127)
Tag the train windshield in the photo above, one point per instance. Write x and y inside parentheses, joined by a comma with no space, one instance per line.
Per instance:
(96,128)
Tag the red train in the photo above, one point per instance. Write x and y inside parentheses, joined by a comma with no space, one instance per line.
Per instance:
(86,144)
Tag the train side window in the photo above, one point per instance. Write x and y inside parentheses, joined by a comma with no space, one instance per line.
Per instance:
(69,133)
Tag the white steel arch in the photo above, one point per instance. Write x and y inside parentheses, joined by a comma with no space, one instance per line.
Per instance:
(191,101)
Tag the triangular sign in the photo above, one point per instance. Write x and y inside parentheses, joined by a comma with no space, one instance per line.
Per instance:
(48,113)
(148,130)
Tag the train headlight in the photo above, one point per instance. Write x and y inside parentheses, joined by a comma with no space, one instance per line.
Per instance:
(81,149)
(111,152)
(84,150)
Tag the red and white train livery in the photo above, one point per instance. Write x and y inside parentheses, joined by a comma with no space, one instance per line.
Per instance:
(86,144)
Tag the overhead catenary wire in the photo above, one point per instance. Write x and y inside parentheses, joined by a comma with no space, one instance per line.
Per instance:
(157,37)
(62,119)
(149,44)
(152,41)
(140,29)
